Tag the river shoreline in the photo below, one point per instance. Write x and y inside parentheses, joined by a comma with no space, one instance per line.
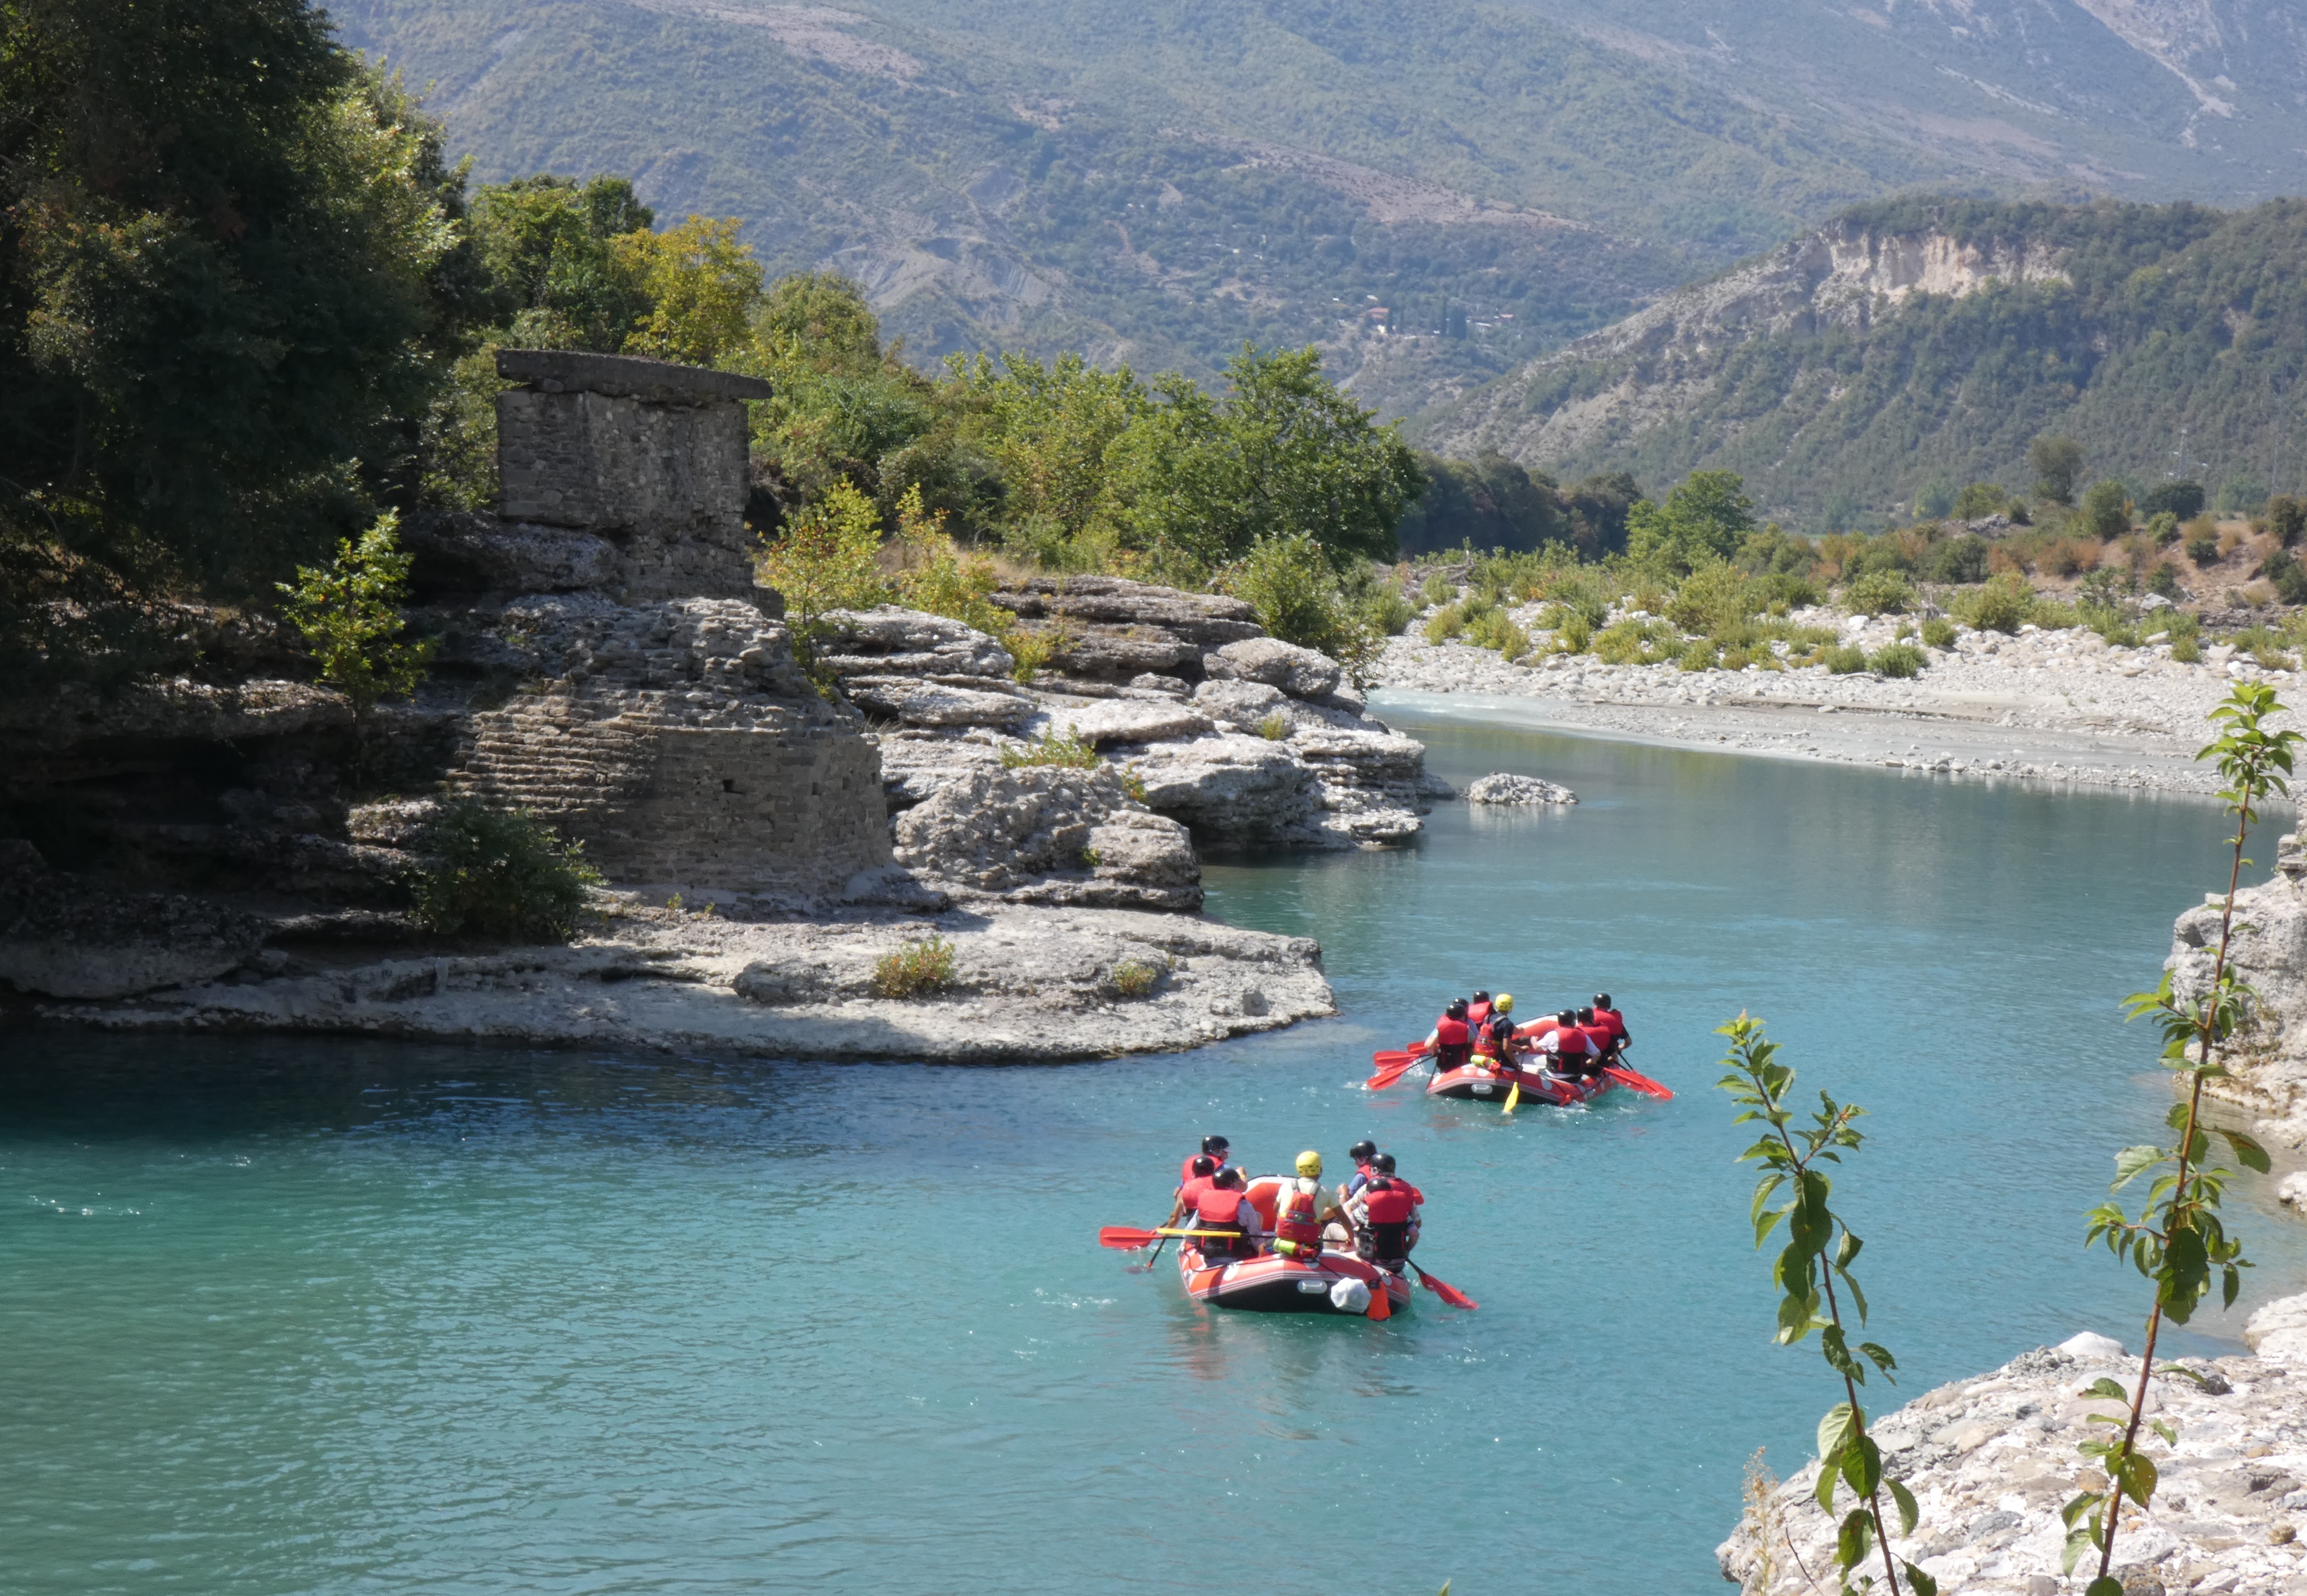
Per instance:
(2058,707)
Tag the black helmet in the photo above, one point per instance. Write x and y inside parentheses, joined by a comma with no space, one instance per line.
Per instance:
(1215,1146)
(1568,1016)
(1361,1151)
(1381,1184)
(1601,1000)
(1585,1017)
(1457,1009)
(1205,1165)
(1230,1178)
(1480,996)
(1382,1163)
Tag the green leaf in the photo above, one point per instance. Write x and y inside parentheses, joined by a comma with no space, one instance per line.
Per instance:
(2079,1505)
(2103,1386)
(2106,1584)
(2170,1436)
(1907,1511)
(1854,1539)
(1824,1490)
(2137,1475)
(1838,1355)
(2082,1539)
(2131,1162)
(1921,1583)
(1881,1358)
(1848,1250)
(1862,1465)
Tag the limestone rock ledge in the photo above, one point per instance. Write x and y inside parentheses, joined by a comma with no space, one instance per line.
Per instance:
(2269,952)
(1992,1460)
(1030,985)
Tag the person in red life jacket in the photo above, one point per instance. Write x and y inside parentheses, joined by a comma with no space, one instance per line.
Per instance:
(1361,1152)
(1300,1209)
(1611,1020)
(1451,1043)
(1478,1010)
(1222,1205)
(1604,1044)
(1215,1148)
(1387,1220)
(1576,1050)
(1498,1033)
(1200,1169)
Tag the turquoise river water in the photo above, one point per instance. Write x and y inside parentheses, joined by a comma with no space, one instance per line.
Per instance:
(290,1316)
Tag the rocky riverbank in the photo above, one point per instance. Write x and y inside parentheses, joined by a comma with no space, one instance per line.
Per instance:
(2048,705)
(1992,1461)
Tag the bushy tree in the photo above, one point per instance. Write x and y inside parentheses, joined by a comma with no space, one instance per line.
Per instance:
(2057,463)
(229,267)
(555,280)
(1705,518)
(2106,509)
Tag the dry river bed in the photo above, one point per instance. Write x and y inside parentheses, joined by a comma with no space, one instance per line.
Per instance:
(2056,705)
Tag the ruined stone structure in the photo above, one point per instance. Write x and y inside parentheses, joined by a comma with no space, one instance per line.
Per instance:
(644,454)
(664,723)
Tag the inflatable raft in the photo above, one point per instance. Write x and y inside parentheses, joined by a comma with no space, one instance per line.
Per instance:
(1484,1084)
(1337,1282)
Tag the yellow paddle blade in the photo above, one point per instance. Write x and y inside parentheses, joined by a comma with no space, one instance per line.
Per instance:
(1513,1096)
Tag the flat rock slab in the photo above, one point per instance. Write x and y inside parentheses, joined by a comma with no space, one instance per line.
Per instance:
(1119,720)
(1030,985)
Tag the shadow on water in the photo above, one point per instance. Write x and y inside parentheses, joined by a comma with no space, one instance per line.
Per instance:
(288,1315)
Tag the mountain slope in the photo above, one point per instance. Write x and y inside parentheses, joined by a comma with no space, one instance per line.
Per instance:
(1157,183)
(1929,341)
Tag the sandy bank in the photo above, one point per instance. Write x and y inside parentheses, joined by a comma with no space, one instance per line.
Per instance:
(2057,706)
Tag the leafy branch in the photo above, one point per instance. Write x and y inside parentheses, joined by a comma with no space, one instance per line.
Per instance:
(2178,1240)
(1819,1250)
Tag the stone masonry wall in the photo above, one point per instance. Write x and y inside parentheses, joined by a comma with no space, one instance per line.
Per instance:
(650,454)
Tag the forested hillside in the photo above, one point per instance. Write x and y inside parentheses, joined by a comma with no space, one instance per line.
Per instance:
(1158,184)
(1915,346)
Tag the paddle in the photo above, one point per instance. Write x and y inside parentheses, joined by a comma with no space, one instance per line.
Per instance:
(1443,1289)
(1152,1259)
(1123,1238)
(1391,1068)
(1638,1083)
(1513,1097)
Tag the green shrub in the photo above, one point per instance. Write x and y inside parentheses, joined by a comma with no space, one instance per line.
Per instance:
(1289,580)
(1053,749)
(1938,631)
(2164,579)
(2107,510)
(1438,589)
(1979,501)
(498,873)
(1274,727)
(1448,622)
(2163,528)
(1637,643)
(916,969)
(1572,632)
(1711,597)
(2203,548)
(2004,604)
(1844,659)
(1878,593)
(1492,630)
(2186,650)
(2288,575)
(348,611)
(1699,656)
(2052,615)
(2180,624)
(1134,979)
(1898,659)
(1387,613)
(1956,560)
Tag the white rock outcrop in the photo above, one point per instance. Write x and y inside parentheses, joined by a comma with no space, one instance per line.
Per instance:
(1500,787)
(1993,1460)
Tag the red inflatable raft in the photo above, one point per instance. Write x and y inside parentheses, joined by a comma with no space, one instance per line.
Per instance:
(1338,1282)
(1483,1084)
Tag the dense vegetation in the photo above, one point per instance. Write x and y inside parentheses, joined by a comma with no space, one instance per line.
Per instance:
(2172,348)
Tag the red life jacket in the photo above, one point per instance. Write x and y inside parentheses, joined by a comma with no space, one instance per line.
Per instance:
(1613,1022)
(1476,1013)
(1185,1170)
(1451,1043)
(1297,1218)
(1192,1192)
(1219,1205)
(1391,1204)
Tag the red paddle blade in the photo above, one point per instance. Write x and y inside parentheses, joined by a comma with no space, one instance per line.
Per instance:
(1123,1239)
(1639,1082)
(1379,1307)
(1391,1068)
(1445,1291)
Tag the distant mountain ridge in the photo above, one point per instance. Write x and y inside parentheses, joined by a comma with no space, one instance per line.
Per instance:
(1157,184)
(1924,341)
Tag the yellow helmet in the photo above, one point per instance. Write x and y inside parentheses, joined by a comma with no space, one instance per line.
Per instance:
(1503,1003)
(1310,1165)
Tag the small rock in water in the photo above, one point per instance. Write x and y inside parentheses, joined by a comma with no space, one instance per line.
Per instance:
(1503,788)
(2090,1344)
(2293,1192)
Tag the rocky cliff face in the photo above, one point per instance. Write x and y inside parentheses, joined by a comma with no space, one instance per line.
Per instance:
(2268,951)
(1637,374)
